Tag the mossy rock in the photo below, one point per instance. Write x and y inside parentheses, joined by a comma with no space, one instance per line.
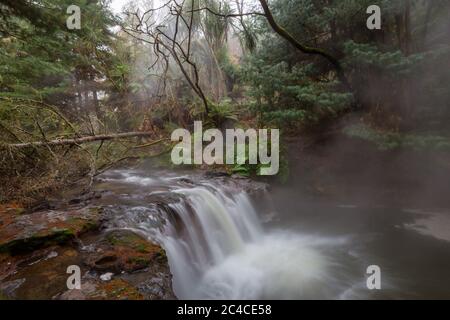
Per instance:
(23,245)
(123,250)
(116,289)
(20,233)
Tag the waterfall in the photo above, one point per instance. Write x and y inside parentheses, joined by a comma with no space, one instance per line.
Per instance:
(218,250)
(217,245)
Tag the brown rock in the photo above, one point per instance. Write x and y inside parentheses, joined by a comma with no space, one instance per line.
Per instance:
(21,233)
(125,251)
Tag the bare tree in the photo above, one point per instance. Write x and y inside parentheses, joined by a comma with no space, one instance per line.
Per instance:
(170,30)
(267,14)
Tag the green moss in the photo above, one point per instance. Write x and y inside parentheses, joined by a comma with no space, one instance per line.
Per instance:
(17,211)
(139,261)
(57,236)
(161,255)
(142,248)
(130,240)
(386,140)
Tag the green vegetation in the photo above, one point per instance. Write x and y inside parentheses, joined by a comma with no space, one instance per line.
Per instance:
(296,65)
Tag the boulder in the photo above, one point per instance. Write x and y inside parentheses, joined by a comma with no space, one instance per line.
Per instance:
(20,233)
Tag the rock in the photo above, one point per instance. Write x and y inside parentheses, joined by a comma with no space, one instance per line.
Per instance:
(157,287)
(42,205)
(52,254)
(116,289)
(86,197)
(216,174)
(44,278)
(107,276)
(87,289)
(119,264)
(123,250)
(8,288)
(21,233)
(93,289)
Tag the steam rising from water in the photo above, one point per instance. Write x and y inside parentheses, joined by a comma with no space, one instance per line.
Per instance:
(217,247)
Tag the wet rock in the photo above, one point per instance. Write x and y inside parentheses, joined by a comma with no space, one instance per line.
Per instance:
(41,275)
(21,233)
(118,289)
(123,250)
(216,174)
(119,264)
(8,288)
(7,266)
(241,183)
(163,198)
(158,287)
(88,288)
(86,197)
(186,181)
(40,206)
(92,289)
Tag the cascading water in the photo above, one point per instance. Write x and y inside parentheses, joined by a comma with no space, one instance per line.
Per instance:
(218,249)
(225,254)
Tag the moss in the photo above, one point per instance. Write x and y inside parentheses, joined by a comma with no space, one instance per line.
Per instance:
(112,240)
(130,240)
(117,289)
(142,248)
(139,262)
(3,297)
(161,255)
(131,252)
(55,237)
(17,211)
(80,225)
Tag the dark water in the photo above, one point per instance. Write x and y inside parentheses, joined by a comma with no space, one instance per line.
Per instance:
(410,245)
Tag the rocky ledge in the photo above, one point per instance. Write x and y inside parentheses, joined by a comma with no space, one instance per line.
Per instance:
(37,248)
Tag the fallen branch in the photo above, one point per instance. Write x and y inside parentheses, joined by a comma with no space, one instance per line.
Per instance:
(151,143)
(80,140)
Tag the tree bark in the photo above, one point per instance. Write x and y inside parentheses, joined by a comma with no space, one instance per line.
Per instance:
(80,140)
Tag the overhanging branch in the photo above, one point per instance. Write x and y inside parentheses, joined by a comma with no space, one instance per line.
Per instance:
(80,140)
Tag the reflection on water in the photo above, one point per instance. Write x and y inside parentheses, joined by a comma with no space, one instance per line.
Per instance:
(435,224)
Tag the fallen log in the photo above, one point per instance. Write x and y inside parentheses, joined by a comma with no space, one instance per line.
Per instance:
(80,140)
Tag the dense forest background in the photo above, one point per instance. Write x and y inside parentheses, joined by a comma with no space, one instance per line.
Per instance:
(124,82)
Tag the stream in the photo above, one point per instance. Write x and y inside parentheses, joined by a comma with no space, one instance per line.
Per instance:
(223,242)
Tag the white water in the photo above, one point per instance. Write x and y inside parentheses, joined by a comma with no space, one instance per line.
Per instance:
(224,253)
(218,248)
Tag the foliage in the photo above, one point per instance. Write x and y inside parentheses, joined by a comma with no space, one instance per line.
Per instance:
(291,97)
(220,113)
(396,140)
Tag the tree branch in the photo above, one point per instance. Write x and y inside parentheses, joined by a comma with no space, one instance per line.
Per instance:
(80,140)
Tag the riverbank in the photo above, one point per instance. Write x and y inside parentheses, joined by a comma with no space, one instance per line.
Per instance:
(37,246)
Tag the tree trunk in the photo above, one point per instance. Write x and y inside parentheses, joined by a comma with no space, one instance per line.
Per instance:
(76,141)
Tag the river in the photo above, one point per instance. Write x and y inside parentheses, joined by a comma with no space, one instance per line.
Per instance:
(223,243)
